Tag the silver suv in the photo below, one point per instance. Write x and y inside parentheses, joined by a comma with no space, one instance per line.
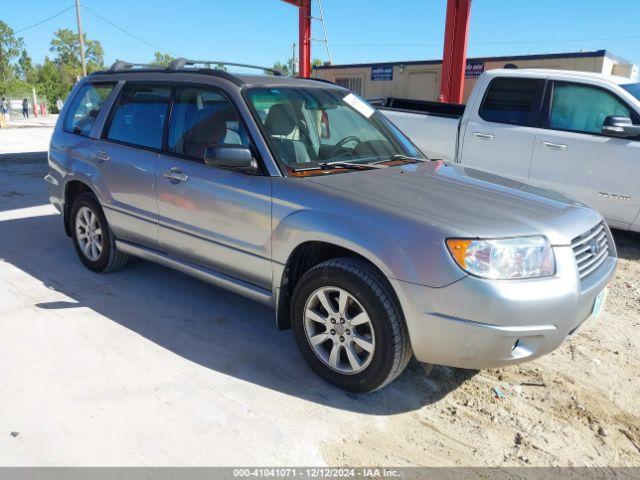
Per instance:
(298,194)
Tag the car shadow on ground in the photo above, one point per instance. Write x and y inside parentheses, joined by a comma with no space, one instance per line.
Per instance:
(206,325)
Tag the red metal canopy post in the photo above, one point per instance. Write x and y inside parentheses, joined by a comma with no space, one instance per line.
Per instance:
(304,35)
(454,59)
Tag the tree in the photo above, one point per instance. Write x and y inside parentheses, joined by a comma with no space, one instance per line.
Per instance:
(162,59)
(10,48)
(49,83)
(66,48)
(25,69)
(317,62)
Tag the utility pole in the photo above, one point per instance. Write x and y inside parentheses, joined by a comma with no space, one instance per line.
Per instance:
(81,38)
(293,60)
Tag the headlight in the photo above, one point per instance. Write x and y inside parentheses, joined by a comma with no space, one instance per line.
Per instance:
(520,257)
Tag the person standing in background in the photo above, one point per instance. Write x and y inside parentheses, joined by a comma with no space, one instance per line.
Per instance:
(25,108)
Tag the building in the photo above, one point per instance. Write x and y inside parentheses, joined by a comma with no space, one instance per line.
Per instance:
(421,79)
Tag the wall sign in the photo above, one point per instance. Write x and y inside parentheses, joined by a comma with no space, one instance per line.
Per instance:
(381,73)
(474,69)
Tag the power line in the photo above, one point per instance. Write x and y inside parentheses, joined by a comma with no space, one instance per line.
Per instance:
(479,44)
(46,19)
(140,39)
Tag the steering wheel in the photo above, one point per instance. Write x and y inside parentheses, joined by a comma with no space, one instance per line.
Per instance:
(342,143)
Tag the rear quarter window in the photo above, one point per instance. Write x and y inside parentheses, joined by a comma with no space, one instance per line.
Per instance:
(85,107)
(513,101)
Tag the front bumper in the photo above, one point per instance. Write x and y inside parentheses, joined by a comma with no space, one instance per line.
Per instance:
(477,323)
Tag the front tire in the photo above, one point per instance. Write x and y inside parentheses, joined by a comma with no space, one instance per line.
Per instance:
(92,238)
(348,326)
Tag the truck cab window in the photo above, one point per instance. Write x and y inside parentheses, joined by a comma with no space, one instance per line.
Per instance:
(514,101)
(582,108)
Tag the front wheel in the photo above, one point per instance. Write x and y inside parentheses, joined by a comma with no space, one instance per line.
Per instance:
(348,326)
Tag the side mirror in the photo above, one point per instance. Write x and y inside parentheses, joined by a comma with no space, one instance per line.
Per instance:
(235,157)
(622,127)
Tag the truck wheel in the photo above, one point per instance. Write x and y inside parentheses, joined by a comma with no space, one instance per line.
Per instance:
(348,326)
(92,237)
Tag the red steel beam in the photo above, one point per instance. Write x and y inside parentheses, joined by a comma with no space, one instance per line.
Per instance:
(454,59)
(304,34)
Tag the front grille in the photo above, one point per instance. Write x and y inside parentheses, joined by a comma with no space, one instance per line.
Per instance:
(591,250)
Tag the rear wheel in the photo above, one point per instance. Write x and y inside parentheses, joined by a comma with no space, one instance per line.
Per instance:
(348,326)
(92,238)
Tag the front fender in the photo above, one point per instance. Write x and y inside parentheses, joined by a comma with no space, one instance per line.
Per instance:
(389,249)
(316,226)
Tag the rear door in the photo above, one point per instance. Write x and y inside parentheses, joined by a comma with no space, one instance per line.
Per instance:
(127,156)
(499,137)
(73,143)
(211,216)
(573,156)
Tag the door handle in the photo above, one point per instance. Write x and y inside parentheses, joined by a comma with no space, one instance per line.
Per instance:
(175,173)
(101,156)
(483,136)
(554,146)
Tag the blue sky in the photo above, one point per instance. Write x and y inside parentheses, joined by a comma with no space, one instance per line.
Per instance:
(262,31)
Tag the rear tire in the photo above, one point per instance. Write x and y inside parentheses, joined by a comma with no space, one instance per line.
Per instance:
(92,238)
(348,325)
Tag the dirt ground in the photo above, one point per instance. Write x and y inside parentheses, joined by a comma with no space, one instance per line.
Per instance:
(92,374)
(578,406)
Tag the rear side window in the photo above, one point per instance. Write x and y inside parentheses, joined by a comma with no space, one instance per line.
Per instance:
(85,107)
(139,116)
(203,118)
(514,101)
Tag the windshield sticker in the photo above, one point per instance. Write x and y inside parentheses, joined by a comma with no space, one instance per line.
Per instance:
(362,108)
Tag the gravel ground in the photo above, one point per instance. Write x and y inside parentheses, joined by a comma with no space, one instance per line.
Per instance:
(94,374)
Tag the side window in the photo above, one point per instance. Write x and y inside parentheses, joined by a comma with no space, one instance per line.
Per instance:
(582,108)
(85,108)
(202,118)
(139,115)
(514,101)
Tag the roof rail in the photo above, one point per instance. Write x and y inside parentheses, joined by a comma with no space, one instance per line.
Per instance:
(120,65)
(317,80)
(179,63)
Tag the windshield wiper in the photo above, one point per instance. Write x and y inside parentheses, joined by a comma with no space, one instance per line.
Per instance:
(401,156)
(339,165)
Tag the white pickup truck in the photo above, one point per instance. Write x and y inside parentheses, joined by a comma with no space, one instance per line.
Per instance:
(574,132)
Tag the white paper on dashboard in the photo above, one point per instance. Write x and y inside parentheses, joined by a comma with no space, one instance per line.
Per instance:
(362,108)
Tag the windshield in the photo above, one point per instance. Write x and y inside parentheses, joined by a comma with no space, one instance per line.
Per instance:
(633,89)
(308,128)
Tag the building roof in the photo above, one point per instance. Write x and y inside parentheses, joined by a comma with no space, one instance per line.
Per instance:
(506,58)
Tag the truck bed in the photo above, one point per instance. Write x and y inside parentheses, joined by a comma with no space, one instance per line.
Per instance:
(453,110)
(432,126)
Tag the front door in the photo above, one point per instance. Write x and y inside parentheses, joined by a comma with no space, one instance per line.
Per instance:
(574,157)
(214,217)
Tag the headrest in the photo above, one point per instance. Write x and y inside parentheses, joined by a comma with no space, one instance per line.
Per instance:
(280,120)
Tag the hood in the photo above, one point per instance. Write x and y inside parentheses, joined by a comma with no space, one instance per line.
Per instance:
(468,202)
